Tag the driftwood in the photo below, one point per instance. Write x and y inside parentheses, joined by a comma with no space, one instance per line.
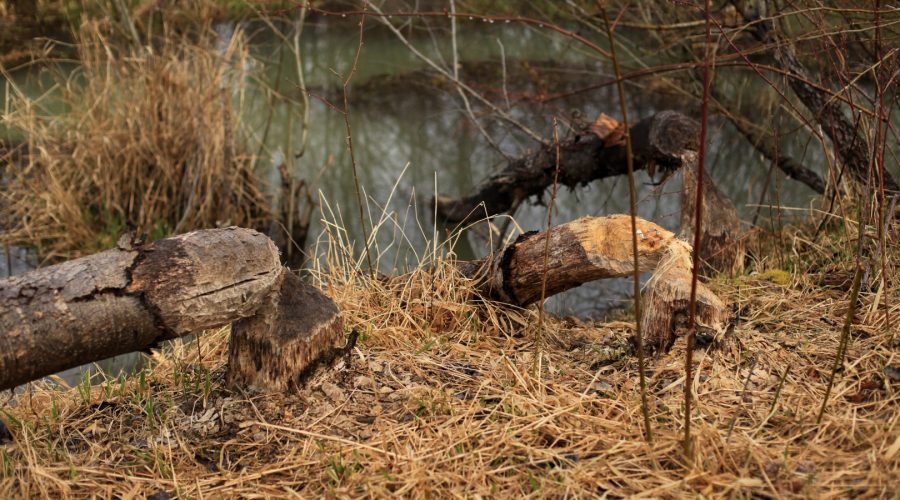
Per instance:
(132,297)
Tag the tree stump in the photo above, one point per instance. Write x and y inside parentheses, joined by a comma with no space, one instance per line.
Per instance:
(722,247)
(295,329)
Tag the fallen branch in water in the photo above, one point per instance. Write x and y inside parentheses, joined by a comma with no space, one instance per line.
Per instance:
(658,141)
(666,141)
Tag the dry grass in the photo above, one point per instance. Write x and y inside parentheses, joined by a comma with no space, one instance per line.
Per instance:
(148,141)
(440,400)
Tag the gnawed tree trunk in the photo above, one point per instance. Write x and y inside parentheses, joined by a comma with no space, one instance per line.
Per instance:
(592,248)
(667,140)
(130,298)
(722,246)
(133,297)
(666,302)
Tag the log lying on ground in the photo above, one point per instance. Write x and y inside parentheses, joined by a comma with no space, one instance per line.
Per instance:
(130,298)
(658,141)
(133,297)
(592,248)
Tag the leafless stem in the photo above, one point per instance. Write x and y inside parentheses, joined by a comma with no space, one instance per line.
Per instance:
(632,195)
(346,114)
(695,267)
(540,325)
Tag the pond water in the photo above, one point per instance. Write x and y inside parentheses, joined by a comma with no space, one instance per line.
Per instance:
(412,137)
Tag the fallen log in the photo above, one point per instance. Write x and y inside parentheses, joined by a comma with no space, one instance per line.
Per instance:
(592,248)
(132,297)
(135,296)
(658,141)
(666,141)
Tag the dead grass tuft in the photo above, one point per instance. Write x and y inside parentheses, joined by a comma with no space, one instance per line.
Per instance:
(148,141)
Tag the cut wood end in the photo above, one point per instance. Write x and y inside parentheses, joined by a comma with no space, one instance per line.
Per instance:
(295,330)
(666,301)
(604,125)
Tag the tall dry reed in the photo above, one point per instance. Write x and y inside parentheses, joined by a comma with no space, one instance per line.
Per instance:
(149,140)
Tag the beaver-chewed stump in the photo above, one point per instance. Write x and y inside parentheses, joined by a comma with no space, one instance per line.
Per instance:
(295,330)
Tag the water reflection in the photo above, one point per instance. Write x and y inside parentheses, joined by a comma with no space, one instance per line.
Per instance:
(400,123)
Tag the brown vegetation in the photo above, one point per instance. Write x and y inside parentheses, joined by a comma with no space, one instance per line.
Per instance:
(441,399)
(149,142)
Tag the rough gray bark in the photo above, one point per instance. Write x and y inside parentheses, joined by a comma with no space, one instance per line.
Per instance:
(850,143)
(130,298)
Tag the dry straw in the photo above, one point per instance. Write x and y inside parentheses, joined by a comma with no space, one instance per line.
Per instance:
(149,141)
(440,400)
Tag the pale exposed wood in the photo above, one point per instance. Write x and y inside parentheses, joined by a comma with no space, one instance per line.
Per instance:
(586,249)
(666,301)
(592,248)
(128,299)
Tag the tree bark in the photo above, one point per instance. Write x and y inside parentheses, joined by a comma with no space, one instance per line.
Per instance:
(130,298)
(765,143)
(658,141)
(722,245)
(850,143)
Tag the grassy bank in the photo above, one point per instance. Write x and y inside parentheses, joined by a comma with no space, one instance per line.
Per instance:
(441,399)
